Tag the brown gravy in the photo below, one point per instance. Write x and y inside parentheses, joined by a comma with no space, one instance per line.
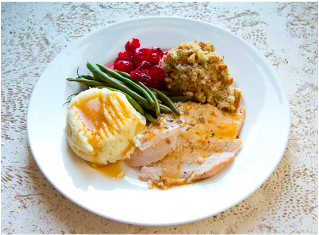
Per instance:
(113,170)
(204,124)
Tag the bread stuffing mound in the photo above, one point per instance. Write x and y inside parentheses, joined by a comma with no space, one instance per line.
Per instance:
(195,70)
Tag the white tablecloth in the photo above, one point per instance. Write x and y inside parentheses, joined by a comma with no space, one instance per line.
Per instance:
(286,33)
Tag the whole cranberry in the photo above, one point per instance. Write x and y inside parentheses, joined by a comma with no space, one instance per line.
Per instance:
(160,85)
(122,54)
(123,65)
(131,46)
(143,77)
(157,73)
(144,65)
(157,50)
(152,83)
(125,56)
(154,59)
(141,54)
(133,72)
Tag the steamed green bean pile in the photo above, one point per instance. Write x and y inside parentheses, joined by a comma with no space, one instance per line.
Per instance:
(148,101)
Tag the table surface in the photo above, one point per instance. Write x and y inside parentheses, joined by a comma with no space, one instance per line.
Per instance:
(285,33)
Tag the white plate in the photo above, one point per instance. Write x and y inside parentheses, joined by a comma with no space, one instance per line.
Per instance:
(265,133)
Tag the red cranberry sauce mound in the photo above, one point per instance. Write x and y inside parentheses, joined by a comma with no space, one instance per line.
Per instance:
(142,64)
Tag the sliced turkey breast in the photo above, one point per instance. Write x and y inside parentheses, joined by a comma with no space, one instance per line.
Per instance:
(195,145)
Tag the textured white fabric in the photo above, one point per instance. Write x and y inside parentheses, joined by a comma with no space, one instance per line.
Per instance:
(286,33)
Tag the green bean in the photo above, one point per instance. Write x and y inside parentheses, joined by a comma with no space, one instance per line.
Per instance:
(162,97)
(146,105)
(129,98)
(151,93)
(90,77)
(128,81)
(86,76)
(124,74)
(167,101)
(68,100)
(114,83)
(95,78)
(87,81)
(180,98)
(154,92)
(77,72)
(166,109)
(157,107)
(149,117)
(72,95)
(163,108)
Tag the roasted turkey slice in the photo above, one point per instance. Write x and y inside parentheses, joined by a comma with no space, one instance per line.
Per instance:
(195,145)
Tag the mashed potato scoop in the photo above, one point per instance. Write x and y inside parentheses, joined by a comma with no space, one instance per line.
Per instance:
(103,127)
